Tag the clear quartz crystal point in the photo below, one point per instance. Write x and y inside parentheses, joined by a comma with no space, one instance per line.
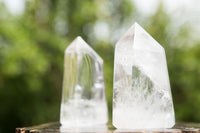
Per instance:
(142,95)
(83,96)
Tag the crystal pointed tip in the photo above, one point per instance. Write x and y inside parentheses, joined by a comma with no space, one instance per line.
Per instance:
(78,45)
(79,38)
(135,23)
(73,45)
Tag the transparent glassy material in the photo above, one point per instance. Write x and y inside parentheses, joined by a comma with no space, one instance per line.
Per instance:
(83,95)
(142,95)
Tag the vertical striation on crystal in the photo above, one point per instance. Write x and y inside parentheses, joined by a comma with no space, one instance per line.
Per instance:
(83,95)
(141,95)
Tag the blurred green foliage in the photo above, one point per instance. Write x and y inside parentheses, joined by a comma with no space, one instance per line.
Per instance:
(32,50)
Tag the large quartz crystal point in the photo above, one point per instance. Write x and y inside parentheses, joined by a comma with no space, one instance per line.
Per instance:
(83,95)
(142,95)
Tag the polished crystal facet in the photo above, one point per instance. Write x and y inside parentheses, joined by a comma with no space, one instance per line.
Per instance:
(142,95)
(83,96)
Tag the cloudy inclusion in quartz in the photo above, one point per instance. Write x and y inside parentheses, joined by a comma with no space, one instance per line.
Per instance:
(83,96)
(141,95)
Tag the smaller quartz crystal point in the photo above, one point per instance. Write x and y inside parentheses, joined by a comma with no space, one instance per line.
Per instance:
(141,95)
(83,95)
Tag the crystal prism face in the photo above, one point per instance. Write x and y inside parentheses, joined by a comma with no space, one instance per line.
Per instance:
(83,96)
(141,95)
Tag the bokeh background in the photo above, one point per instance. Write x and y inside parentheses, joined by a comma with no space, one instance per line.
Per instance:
(34,34)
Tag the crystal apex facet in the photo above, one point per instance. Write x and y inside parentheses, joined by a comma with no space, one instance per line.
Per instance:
(79,45)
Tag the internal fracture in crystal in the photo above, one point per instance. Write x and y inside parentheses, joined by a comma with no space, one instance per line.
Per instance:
(83,96)
(141,95)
